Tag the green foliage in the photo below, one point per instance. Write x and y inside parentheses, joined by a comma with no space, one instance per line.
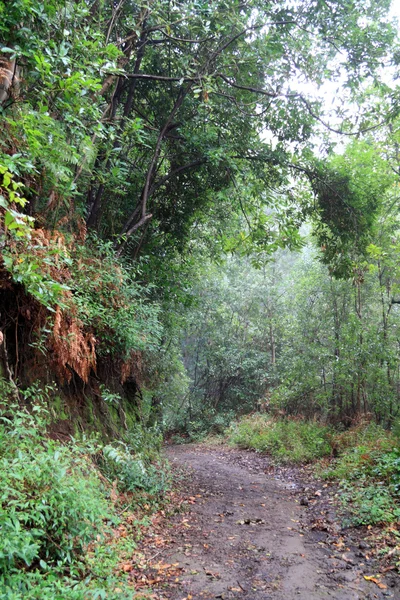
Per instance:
(27,269)
(109,300)
(63,59)
(19,257)
(286,441)
(55,511)
(15,222)
(350,189)
(131,471)
(227,332)
(370,505)
(368,469)
(202,423)
(94,141)
(52,504)
(344,331)
(53,586)
(135,463)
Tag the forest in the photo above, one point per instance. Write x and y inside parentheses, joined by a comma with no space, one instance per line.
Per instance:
(200,240)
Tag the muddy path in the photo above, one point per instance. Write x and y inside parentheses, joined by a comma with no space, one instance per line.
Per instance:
(250,533)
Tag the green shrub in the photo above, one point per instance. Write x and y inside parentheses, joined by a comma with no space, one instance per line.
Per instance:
(371,504)
(134,463)
(286,441)
(132,471)
(54,586)
(108,299)
(51,501)
(56,516)
(203,421)
(388,469)
(366,434)
(207,422)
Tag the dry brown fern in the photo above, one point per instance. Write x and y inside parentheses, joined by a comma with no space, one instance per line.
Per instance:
(73,348)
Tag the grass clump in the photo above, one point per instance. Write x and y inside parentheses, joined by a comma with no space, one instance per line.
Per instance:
(285,440)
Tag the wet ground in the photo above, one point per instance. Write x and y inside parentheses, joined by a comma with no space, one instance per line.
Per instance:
(257,533)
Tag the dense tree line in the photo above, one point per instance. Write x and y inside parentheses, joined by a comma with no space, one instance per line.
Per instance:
(141,141)
(313,332)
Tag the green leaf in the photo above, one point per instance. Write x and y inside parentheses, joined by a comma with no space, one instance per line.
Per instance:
(8,219)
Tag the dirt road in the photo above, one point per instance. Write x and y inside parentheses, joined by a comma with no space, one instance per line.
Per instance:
(245,536)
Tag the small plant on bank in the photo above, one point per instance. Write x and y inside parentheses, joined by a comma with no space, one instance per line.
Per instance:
(133,471)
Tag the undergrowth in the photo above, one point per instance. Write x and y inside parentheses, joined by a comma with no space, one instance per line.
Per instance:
(62,507)
(203,423)
(285,440)
(368,470)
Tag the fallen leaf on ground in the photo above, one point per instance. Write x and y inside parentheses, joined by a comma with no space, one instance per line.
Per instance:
(380,585)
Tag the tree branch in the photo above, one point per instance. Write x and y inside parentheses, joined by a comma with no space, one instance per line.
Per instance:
(332,129)
(164,179)
(151,77)
(128,229)
(247,88)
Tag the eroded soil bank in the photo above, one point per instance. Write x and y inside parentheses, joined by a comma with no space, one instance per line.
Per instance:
(255,533)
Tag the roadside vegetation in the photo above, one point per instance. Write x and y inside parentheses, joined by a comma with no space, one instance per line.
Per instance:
(368,471)
(70,513)
(287,441)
